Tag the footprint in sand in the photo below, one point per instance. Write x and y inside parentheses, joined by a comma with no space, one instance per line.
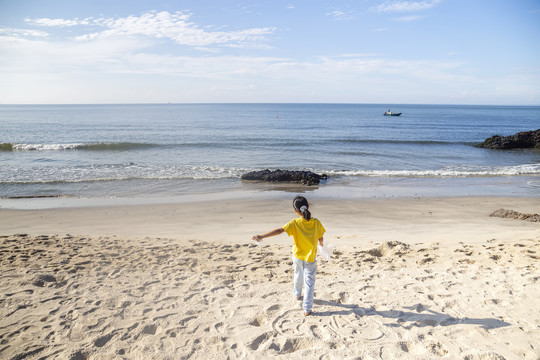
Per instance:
(150,329)
(292,345)
(79,355)
(484,356)
(273,308)
(358,327)
(437,348)
(258,321)
(220,327)
(418,348)
(101,341)
(343,297)
(287,323)
(259,340)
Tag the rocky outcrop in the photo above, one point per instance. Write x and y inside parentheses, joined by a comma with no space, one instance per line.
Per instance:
(511,214)
(301,177)
(522,140)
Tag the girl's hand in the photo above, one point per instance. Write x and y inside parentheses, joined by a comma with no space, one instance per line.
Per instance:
(275,232)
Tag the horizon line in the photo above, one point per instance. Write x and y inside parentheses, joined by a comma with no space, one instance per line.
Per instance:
(263,103)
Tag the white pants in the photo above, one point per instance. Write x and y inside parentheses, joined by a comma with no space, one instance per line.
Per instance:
(304,274)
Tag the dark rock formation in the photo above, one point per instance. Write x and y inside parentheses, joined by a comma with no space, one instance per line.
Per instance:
(511,214)
(527,139)
(302,177)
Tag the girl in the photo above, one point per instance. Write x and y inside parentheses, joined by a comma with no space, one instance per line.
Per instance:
(306,231)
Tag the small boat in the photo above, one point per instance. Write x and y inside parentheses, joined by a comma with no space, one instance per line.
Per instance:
(389,113)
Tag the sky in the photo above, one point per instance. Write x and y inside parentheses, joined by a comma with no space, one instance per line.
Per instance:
(482,52)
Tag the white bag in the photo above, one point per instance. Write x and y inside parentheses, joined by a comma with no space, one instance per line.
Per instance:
(325,251)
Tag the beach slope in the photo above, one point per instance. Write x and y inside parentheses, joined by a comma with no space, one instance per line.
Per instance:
(410,279)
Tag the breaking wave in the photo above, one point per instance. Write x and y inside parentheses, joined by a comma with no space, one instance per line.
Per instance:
(464,171)
(119,172)
(131,171)
(109,146)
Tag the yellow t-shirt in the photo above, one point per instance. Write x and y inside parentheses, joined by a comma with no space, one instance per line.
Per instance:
(306,235)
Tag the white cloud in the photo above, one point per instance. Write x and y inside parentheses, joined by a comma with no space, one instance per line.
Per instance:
(120,55)
(34,56)
(340,15)
(22,33)
(161,25)
(118,70)
(520,81)
(405,6)
(110,59)
(57,22)
(208,67)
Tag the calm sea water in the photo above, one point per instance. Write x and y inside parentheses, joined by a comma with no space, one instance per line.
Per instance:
(174,149)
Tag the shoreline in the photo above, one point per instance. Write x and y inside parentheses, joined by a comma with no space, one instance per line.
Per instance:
(353,189)
(234,216)
(171,191)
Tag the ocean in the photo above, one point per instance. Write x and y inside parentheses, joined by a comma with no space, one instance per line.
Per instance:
(165,151)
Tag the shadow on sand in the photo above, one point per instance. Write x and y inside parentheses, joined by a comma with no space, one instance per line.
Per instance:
(418,317)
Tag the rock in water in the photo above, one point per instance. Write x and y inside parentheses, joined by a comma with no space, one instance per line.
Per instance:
(522,140)
(302,177)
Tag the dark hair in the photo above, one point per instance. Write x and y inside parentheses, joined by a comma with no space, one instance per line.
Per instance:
(300,201)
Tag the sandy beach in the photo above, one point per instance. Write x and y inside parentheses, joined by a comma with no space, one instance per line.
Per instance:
(411,278)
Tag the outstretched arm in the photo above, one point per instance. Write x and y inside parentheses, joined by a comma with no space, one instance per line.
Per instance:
(268,234)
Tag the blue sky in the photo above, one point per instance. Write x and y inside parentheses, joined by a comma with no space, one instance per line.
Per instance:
(342,51)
